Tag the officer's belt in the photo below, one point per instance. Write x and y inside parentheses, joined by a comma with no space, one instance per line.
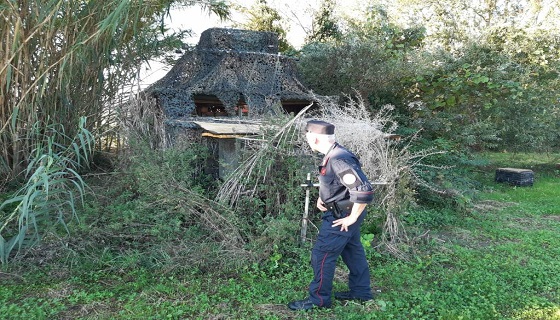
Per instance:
(340,206)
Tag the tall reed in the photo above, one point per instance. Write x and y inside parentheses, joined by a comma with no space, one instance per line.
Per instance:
(60,63)
(61,60)
(53,184)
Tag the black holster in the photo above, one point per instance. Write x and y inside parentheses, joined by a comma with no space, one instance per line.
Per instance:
(339,208)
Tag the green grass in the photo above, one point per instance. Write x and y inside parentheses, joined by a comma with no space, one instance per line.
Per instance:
(498,260)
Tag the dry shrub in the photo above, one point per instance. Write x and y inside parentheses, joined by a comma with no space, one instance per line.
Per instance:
(141,119)
(169,181)
(386,159)
(274,140)
(61,60)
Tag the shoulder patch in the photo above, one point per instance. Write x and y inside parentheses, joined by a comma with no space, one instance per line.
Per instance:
(349,178)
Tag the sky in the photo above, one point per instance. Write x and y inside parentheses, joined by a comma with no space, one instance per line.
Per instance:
(297,13)
(295,33)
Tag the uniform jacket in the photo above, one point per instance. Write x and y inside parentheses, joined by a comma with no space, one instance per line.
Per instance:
(341,178)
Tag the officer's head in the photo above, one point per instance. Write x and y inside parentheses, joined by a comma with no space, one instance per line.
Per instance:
(320,135)
(320,127)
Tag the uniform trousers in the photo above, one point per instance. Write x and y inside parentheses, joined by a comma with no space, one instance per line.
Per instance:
(332,243)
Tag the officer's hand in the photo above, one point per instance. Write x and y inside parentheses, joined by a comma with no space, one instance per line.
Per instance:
(321,205)
(344,223)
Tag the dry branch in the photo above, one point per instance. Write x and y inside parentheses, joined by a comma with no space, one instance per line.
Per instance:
(237,184)
(388,163)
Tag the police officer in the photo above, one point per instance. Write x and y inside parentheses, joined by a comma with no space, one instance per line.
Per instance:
(344,192)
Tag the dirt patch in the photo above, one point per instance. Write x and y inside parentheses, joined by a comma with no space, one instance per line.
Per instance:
(95,310)
(534,223)
(279,310)
(492,205)
(12,277)
(466,238)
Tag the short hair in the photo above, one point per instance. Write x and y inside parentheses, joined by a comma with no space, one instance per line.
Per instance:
(320,127)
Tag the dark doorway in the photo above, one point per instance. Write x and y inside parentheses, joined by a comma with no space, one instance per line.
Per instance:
(211,106)
(295,106)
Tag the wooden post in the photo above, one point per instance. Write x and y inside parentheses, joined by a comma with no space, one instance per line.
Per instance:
(307,185)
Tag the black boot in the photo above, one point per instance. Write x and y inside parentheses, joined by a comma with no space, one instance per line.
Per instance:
(347,295)
(305,304)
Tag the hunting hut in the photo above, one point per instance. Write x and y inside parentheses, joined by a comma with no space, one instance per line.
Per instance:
(219,89)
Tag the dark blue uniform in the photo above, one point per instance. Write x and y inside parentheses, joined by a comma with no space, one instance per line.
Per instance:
(341,180)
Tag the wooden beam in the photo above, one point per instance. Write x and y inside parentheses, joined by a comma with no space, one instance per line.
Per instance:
(221,136)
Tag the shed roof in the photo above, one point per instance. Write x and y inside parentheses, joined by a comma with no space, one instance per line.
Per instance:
(232,65)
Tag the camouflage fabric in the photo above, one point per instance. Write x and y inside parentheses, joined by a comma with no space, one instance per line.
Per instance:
(230,64)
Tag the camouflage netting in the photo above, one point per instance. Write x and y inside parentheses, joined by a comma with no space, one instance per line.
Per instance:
(230,64)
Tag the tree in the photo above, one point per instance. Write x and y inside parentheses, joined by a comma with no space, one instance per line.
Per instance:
(324,27)
(371,56)
(452,23)
(262,17)
(497,88)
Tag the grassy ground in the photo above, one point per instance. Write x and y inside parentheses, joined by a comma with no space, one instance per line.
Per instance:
(499,259)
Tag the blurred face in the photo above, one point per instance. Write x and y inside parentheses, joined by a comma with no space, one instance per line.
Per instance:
(311,140)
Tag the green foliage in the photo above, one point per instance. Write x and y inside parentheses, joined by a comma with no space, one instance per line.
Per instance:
(161,203)
(52,185)
(485,100)
(378,25)
(369,59)
(262,17)
(149,192)
(154,171)
(452,23)
(531,122)
(500,92)
(325,26)
(320,71)
(431,218)
(498,260)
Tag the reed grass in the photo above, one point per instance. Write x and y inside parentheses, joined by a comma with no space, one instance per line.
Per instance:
(63,60)
(57,68)
(53,184)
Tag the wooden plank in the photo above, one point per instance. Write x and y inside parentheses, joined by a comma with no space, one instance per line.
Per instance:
(229,128)
(221,136)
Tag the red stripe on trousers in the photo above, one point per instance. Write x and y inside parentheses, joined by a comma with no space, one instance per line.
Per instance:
(321,277)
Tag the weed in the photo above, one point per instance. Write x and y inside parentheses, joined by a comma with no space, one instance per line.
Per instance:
(497,260)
